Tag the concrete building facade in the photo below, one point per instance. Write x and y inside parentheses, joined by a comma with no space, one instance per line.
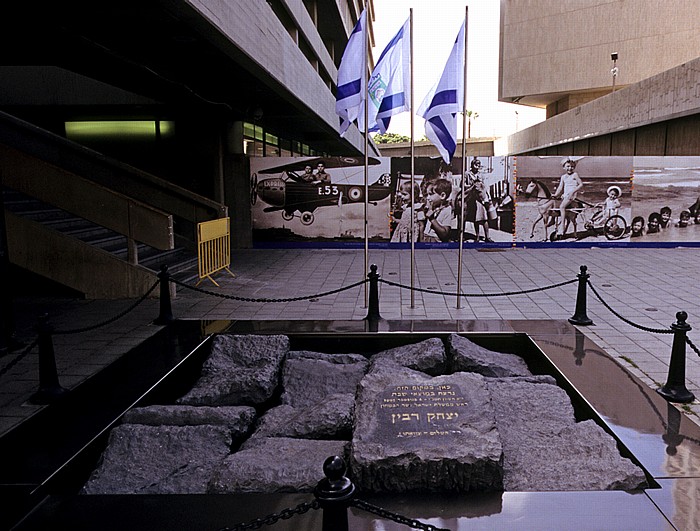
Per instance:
(173,97)
(559,56)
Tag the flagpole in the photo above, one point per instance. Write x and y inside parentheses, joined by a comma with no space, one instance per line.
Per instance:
(464,164)
(365,84)
(413,183)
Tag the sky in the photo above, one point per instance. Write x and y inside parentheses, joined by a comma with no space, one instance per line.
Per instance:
(435,27)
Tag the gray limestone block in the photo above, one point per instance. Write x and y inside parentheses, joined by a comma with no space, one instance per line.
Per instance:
(467,356)
(328,419)
(426,356)
(238,419)
(159,460)
(308,378)
(330,358)
(241,370)
(546,449)
(275,465)
(417,433)
(580,457)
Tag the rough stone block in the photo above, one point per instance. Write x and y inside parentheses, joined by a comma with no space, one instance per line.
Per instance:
(241,370)
(238,419)
(159,460)
(329,419)
(467,356)
(309,377)
(426,356)
(276,465)
(546,450)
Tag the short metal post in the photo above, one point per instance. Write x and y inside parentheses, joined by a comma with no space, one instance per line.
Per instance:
(166,311)
(675,389)
(49,388)
(373,306)
(580,317)
(334,493)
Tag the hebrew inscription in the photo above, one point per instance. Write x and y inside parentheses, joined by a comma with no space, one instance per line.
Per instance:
(418,411)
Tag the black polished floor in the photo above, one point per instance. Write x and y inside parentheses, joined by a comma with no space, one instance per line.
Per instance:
(651,431)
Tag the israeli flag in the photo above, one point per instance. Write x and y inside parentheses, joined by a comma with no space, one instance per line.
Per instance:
(351,76)
(444,101)
(389,88)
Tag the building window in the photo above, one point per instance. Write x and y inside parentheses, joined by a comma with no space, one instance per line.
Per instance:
(118,130)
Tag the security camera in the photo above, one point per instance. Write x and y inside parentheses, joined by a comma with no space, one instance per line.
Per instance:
(613,56)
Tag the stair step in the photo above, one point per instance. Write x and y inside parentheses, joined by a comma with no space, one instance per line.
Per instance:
(182,264)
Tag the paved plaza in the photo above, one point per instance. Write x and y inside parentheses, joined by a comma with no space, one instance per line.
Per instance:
(646,286)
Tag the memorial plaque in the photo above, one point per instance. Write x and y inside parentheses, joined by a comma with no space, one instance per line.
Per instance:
(421,411)
(414,432)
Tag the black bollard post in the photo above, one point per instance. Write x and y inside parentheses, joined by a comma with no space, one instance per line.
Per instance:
(334,493)
(166,311)
(579,351)
(49,388)
(373,306)
(580,318)
(675,389)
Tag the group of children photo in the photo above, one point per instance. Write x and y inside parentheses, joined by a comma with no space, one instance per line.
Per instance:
(662,220)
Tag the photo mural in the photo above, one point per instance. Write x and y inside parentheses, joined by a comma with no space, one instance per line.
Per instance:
(524,200)
(666,199)
(565,199)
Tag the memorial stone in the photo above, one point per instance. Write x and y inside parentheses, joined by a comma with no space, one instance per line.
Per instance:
(416,433)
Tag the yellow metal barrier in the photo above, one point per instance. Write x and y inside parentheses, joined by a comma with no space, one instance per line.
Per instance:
(213,248)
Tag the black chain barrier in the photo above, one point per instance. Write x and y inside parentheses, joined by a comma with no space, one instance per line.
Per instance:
(111,319)
(635,325)
(34,343)
(19,358)
(302,508)
(501,294)
(272,519)
(692,345)
(413,524)
(250,299)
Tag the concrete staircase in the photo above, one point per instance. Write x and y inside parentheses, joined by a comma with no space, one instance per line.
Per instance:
(181,262)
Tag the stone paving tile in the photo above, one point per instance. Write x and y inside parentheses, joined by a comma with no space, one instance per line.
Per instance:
(625,278)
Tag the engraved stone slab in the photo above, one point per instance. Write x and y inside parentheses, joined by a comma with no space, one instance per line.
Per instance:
(417,433)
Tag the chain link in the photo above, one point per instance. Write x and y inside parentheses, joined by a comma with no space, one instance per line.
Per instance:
(273,518)
(110,320)
(249,299)
(384,513)
(504,293)
(640,327)
(692,345)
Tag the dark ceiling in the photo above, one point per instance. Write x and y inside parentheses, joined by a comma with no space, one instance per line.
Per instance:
(157,49)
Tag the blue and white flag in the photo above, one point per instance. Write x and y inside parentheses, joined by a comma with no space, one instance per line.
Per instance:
(444,101)
(351,76)
(389,88)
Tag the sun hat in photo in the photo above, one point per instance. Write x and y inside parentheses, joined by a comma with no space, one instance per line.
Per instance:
(573,160)
(613,187)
